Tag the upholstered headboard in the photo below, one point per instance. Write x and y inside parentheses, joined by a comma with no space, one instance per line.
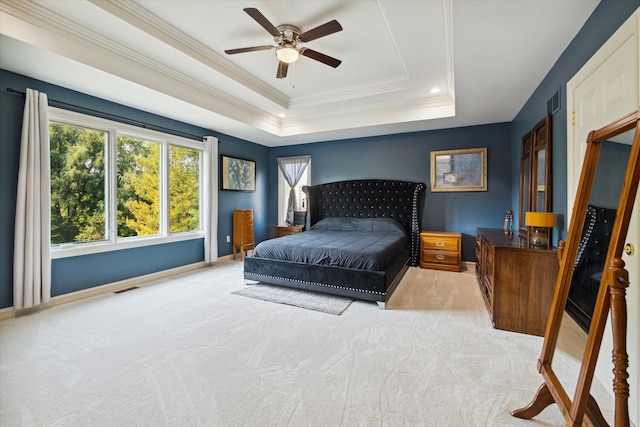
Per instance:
(369,198)
(589,264)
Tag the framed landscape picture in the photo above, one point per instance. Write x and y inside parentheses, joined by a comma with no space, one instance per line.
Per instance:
(459,170)
(238,174)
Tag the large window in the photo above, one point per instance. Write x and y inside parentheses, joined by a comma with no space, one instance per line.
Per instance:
(116,186)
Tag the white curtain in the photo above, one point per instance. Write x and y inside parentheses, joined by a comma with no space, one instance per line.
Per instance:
(210,166)
(292,169)
(32,257)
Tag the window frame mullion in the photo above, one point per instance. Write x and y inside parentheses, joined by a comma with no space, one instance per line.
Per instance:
(112,183)
(164,188)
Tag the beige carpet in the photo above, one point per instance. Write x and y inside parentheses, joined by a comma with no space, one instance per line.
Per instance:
(186,352)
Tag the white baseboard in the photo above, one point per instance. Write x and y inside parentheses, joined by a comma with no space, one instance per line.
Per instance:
(9,312)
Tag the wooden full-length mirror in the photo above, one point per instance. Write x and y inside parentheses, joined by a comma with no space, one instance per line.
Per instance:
(589,266)
(592,283)
(535,170)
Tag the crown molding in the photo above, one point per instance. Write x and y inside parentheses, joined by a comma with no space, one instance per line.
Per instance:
(447,19)
(434,107)
(362,91)
(146,21)
(123,58)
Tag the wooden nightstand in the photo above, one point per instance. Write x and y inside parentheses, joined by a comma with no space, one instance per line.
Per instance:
(441,250)
(287,230)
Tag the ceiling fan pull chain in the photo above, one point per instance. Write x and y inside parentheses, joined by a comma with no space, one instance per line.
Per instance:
(293,80)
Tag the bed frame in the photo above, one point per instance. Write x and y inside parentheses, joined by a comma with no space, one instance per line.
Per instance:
(399,200)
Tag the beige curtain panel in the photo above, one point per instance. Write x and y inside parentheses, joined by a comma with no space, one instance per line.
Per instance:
(210,167)
(32,256)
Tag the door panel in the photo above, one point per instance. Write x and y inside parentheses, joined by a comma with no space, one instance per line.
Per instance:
(608,93)
(605,89)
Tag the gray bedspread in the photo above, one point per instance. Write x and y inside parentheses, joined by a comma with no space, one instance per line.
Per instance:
(368,244)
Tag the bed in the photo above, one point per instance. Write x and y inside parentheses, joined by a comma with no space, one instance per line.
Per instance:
(361,236)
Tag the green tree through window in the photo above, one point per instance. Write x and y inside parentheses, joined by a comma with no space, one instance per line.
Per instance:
(138,187)
(148,201)
(184,189)
(77,184)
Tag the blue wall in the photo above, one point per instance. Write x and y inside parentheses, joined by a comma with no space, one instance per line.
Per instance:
(73,274)
(408,157)
(608,16)
(86,271)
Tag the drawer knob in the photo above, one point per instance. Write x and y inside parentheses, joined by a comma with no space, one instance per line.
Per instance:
(440,257)
(440,244)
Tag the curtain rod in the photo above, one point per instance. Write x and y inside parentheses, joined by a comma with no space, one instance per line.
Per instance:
(138,123)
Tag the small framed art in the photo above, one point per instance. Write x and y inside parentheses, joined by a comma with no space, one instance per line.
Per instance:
(459,170)
(238,174)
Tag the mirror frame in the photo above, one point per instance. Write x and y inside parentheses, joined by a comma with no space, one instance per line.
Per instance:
(525,180)
(537,139)
(611,295)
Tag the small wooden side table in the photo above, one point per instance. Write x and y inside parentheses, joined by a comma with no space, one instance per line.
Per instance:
(284,230)
(441,250)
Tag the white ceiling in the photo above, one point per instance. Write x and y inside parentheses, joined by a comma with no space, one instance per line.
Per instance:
(167,57)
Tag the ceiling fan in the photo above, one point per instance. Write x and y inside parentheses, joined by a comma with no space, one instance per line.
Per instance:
(287,37)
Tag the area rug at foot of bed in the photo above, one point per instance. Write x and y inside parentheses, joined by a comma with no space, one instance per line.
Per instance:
(309,300)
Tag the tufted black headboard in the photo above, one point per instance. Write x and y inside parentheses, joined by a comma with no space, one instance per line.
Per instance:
(369,198)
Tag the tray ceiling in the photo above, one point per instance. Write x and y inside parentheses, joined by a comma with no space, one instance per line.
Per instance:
(167,57)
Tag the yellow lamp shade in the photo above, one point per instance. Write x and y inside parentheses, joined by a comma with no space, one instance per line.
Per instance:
(540,219)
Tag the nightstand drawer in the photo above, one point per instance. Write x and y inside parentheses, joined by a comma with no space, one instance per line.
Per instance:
(440,242)
(446,258)
(281,231)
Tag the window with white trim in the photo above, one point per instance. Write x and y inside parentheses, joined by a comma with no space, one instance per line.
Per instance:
(115,186)
(283,193)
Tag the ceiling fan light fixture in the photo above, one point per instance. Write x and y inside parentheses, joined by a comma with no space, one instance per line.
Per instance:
(287,54)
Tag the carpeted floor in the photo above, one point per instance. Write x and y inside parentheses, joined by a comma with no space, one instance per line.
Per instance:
(186,352)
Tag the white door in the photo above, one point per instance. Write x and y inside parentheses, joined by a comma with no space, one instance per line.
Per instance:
(604,90)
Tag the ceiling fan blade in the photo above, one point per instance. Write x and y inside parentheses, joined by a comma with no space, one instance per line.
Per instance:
(247,49)
(321,31)
(260,19)
(325,59)
(282,70)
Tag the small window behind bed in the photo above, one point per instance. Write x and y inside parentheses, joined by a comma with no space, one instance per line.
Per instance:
(283,193)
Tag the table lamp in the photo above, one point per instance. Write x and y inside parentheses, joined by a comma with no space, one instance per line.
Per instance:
(541,224)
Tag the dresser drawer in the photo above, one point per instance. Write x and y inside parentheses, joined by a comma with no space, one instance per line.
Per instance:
(440,242)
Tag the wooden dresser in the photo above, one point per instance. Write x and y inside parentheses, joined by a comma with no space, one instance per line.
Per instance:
(440,250)
(243,239)
(517,283)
